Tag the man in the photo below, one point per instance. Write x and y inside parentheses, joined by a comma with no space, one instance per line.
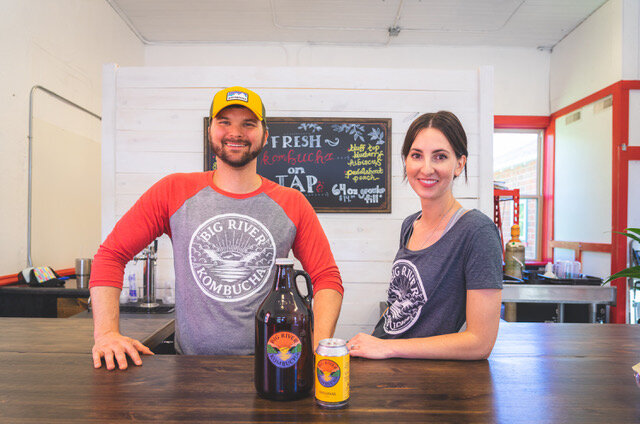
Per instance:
(227,227)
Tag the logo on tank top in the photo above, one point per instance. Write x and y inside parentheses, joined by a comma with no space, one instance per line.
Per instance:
(406,298)
(284,349)
(231,256)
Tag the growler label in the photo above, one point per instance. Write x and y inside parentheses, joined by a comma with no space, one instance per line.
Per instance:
(231,257)
(328,372)
(283,349)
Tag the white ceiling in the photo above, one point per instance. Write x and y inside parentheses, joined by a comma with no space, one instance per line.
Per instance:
(524,23)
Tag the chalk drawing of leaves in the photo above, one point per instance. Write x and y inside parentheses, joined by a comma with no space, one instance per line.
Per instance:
(355,130)
(338,128)
(376,135)
(313,127)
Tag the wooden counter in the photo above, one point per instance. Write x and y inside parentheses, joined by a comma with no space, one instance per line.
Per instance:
(538,373)
(65,335)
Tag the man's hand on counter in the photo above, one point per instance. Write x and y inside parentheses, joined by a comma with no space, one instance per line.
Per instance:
(114,347)
(109,343)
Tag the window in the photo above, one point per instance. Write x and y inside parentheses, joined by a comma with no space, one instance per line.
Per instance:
(517,163)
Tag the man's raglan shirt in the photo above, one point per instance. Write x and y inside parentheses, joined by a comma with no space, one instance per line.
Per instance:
(224,249)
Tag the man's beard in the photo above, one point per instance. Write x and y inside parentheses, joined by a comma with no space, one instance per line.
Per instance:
(246,157)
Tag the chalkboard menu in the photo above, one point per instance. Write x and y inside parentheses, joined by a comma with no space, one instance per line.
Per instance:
(339,164)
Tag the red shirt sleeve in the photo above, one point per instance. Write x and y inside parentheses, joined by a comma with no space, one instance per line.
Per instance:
(147,219)
(310,246)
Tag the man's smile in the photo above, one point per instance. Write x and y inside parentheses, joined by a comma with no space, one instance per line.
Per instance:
(236,144)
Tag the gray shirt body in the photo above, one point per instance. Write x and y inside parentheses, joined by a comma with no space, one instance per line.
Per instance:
(222,301)
(428,289)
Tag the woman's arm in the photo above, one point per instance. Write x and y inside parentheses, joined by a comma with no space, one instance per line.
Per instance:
(476,342)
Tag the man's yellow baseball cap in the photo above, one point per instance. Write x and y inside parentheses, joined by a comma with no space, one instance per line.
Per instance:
(237,96)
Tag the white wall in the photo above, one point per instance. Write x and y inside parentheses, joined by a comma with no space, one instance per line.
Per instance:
(630,40)
(589,58)
(601,51)
(521,75)
(156,129)
(582,196)
(634,118)
(60,45)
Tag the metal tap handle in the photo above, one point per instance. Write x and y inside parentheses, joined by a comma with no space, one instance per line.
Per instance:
(149,283)
(148,252)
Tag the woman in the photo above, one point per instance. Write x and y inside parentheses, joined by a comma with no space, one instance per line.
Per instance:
(445,290)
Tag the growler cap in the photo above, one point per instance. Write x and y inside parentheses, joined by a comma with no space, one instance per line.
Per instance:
(284,261)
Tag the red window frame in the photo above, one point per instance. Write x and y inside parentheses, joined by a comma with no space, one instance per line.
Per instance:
(522,122)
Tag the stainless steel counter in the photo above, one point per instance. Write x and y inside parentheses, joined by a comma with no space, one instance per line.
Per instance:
(560,294)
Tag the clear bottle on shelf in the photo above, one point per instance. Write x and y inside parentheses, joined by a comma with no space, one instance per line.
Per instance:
(133,292)
(124,295)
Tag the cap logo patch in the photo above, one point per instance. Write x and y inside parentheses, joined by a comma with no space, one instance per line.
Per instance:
(237,95)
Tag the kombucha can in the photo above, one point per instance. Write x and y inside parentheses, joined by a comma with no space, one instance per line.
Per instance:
(332,374)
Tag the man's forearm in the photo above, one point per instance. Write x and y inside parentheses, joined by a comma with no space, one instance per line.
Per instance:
(326,310)
(111,346)
(105,305)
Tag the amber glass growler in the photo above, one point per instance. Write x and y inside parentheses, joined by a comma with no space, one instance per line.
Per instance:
(284,338)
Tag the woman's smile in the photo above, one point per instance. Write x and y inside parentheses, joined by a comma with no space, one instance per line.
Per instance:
(428,182)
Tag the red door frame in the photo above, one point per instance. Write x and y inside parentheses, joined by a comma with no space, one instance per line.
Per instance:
(619,92)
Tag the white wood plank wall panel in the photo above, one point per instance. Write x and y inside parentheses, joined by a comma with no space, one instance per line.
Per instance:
(298,77)
(156,129)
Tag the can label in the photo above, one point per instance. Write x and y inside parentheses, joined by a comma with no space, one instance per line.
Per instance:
(332,378)
(284,349)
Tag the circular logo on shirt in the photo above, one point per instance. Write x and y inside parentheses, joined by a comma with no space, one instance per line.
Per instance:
(328,372)
(231,256)
(406,297)
(283,349)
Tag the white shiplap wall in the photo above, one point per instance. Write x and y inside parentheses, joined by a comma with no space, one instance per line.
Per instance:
(152,126)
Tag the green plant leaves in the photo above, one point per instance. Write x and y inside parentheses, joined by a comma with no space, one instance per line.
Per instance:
(633,272)
(633,233)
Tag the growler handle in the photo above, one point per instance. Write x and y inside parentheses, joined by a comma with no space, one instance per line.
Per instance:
(307,279)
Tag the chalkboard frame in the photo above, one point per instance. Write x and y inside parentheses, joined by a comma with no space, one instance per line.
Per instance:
(385,123)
